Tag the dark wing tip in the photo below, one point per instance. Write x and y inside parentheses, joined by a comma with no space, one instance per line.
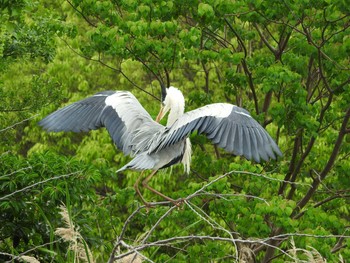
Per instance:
(81,116)
(245,137)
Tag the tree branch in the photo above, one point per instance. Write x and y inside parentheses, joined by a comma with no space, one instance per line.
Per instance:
(18,123)
(110,67)
(247,72)
(203,217)
(81,13)
(38,183)
(266,42)
(329,164)
(297,143)
(159,78)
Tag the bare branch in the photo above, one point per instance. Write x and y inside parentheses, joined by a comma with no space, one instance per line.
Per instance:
(17,171)
(181,239)
(135,249)
(205,217)
(15,257)
(339,245)
(157,223)
(38,183)
(224,196)
(18,123)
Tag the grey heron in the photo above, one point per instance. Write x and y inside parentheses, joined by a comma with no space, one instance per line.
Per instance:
(154,146)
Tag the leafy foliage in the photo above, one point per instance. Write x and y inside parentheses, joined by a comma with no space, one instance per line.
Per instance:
(286,62)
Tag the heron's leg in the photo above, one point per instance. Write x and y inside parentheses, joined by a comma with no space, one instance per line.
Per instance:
(145,184)
(136,186)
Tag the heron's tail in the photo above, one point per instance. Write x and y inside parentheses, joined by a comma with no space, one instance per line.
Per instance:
(139,163)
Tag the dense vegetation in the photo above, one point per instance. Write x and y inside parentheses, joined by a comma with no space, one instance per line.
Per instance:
(287,62)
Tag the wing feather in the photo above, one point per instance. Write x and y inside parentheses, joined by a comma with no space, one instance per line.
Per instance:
(247,151)
(223,141)
(239,140)
(119,111)
(216,136)
(230,127)
(230,138)
(254,145)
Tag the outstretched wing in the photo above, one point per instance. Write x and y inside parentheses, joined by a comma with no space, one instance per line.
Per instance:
(230,127)
(119,111)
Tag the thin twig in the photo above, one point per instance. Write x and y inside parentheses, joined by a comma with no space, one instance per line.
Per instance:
(181,239)
(18,123)
(14,257)
(17,171)
(263,242)
(223,196)
(110,67)
(82,14)
(211,222)
(157,223)
(38,183)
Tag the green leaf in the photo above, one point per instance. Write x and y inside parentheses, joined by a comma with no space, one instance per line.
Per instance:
(205,10)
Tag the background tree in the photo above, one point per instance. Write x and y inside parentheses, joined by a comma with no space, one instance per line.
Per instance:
(286,62)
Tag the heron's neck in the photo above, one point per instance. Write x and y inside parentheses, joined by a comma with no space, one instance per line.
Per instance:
(175,112)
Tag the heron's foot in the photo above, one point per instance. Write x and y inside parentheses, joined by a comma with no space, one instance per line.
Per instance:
(178,202)
(148,206)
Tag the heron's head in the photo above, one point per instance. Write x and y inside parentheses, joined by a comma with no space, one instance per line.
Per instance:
(174,102)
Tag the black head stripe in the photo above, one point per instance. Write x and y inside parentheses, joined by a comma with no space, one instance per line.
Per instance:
(163,93)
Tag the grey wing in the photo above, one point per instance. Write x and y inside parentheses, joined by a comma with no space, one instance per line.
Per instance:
(230,127)
(119,111)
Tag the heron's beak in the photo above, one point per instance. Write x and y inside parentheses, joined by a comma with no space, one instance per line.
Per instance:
(164,108)
(160,114)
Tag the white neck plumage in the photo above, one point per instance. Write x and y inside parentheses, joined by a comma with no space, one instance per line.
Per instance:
(176,111)
(175,103)
(174,114)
